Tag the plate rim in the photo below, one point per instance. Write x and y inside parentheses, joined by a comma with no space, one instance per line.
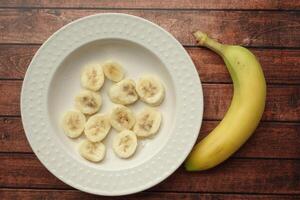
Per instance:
(24,106)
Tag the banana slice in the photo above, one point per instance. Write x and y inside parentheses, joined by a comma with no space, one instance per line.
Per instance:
(150,90)
(92,151)
(147,122)
(73,123)
(122,118)
(113,71)
(123,92)
(125,144)
(92,77)
(88,102)
(97,127)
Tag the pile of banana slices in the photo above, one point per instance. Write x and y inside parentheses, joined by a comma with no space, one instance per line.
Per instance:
(96,126)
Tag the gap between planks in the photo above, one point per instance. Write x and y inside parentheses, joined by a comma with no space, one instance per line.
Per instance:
(157,192)
(150,9)
(232,157)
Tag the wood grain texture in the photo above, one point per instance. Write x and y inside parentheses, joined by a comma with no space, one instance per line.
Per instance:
(157,4)
(14,60)
(239,175)
(263,28)
(10,100)
(266,167)
(282,104)
(280,66)
(270,140)
(235,175)
(12,135)
(38,194)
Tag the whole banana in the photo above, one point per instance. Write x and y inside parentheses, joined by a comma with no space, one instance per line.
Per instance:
(244,113)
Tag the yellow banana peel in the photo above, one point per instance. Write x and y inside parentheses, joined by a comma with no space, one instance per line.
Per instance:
(244,113)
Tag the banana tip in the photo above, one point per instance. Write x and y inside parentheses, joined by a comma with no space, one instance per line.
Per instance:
(189,167)
(200,37)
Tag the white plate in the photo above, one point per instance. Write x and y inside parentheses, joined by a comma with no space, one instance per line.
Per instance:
(53,79)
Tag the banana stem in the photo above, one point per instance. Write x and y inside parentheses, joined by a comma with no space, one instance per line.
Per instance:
(206,41)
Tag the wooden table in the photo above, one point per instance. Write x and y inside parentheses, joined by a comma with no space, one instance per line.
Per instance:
(267,167)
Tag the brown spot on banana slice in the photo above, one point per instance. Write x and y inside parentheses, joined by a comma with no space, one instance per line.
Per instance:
(88,102)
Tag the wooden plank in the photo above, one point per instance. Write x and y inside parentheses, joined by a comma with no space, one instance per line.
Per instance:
(264,28)
(235,175)
(10,100)
(280,66)
(14,60)
(17,170)
(270,140)
(37,194)
(239,175)
(156,4)
(12,135)
(283,102)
